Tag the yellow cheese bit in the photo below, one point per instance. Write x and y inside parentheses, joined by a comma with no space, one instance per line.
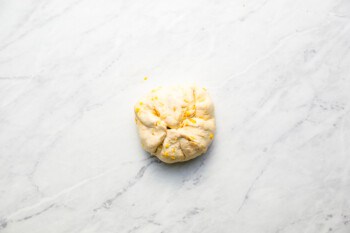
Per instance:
(141,103)
(193,120)
(155,112)
(156,89)
(137,110)
(192,138)
(173,150)
(166,153)
(211,136)
(185,100)
(187,113)
(174,108)
(172,157)
(145,78)
(167,145)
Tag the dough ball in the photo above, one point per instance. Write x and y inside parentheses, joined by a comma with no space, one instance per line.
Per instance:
(175,124)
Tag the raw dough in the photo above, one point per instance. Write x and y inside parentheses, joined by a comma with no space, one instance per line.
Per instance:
(176,124)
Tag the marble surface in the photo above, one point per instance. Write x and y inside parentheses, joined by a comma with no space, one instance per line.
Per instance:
(277,70)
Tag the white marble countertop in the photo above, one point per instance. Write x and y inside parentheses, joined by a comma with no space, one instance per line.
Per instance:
(277,70)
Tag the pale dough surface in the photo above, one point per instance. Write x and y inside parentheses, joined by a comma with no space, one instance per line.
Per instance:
(176,124)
